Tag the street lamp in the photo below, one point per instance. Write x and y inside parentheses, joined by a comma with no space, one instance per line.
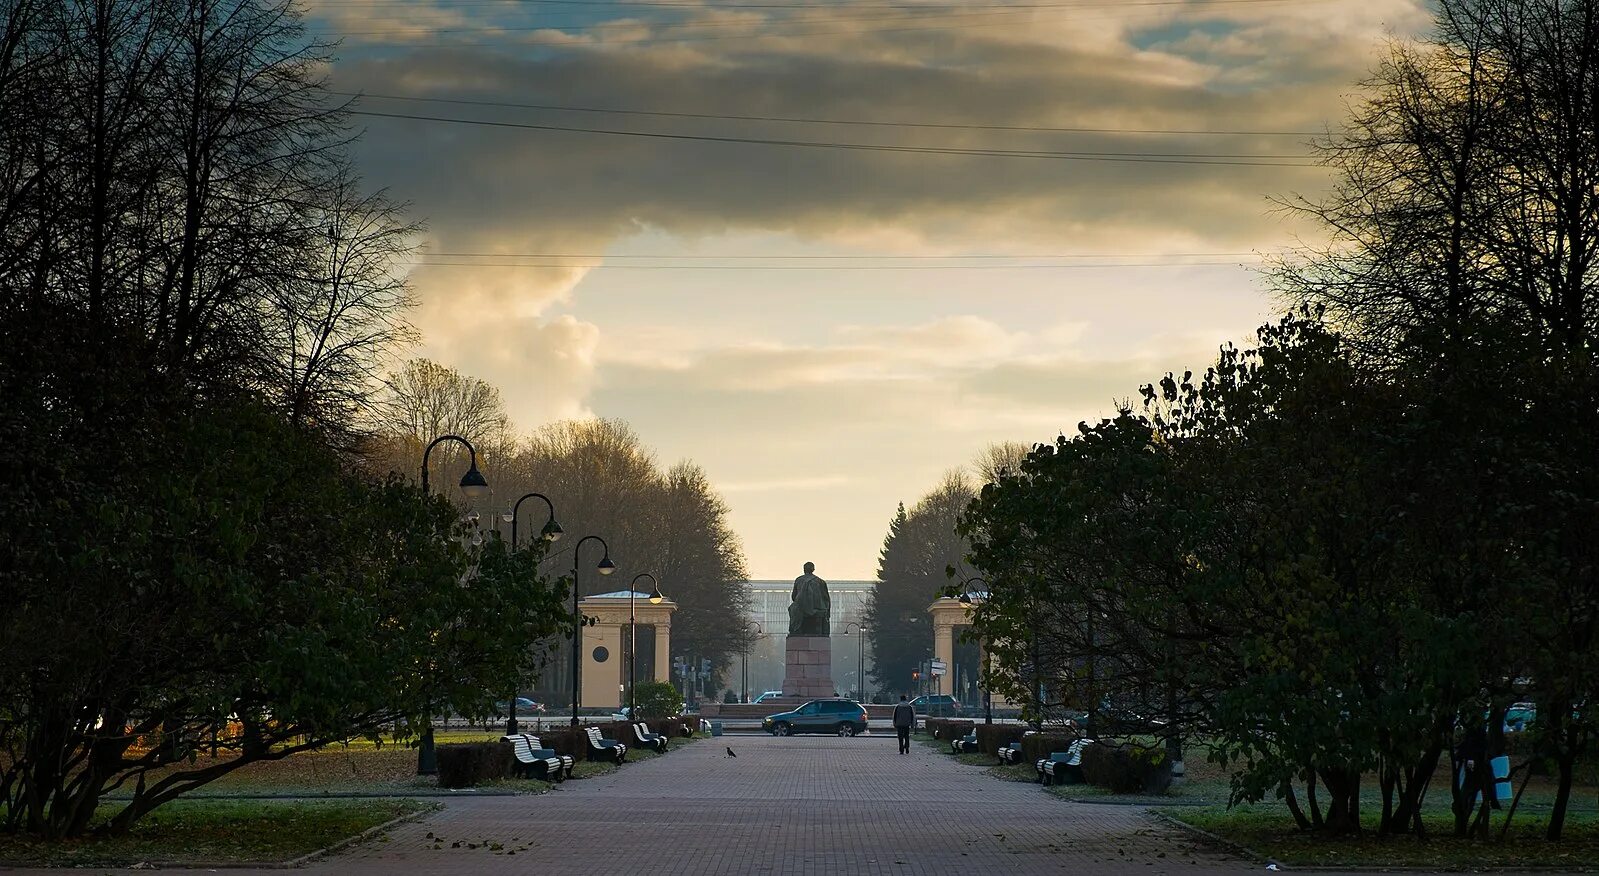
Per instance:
(551,532)
(632,632)
(745,660)
(860,656)
(473,484)
(605,567)
(966,599)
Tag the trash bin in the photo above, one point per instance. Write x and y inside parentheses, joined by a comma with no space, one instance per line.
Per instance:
(716,728)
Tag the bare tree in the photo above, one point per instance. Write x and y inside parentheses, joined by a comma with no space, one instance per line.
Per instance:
(998,459)
(340,317)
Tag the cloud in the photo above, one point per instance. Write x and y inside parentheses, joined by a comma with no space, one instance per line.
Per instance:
(784,484)
(819,399)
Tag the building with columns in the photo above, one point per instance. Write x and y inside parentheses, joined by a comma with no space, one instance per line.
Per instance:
(607,644)
(963,680)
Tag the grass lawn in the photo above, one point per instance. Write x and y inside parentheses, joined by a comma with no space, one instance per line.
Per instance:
(362,767)
(215,831)
(1268,830)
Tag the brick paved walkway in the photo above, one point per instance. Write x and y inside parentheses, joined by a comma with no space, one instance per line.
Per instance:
(801,806)
(785,807)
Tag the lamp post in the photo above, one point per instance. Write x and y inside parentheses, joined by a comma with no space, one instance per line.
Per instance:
(860,656)
(632,632)
(745,662)
(473,484)
(552,532)
(982,675)
(605,567)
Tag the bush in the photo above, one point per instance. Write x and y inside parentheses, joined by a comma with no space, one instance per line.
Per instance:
(657,699)
(946,729)
(465,765)
(992,737)
(1127,769)
(1039,745)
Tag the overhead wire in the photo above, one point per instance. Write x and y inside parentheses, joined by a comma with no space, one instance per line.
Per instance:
(568,42)
(913,7)
(824,121)
(431,264)
(1126,157)
(879,256)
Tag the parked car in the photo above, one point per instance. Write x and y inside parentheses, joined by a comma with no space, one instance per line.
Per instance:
(840,716)
(524,706)
(1519,715)
(768,695)
(937,705)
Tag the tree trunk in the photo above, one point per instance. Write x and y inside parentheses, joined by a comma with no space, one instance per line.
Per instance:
(1343,814)
(1293,805)
(1565,760)
(1316,821)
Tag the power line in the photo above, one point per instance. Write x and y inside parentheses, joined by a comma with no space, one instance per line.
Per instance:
(1099,255)
(430,264)
(821,121)
(681,25)
(912,7)
(1125,157)
(701,25)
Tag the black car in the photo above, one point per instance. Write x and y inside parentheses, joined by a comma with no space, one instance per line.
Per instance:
(840,716)
(936,705)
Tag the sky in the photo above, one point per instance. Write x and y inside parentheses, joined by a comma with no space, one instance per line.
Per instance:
(829,251)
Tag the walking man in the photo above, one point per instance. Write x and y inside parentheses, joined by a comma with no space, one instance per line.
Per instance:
(904,721)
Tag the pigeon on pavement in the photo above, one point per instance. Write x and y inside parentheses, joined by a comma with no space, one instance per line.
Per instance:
(730,752)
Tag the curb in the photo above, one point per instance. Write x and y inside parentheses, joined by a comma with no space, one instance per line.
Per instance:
(397,794)
(1236,848)
(361,837)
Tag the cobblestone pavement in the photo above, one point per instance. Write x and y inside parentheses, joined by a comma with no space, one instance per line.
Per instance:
(796,807)
(801,806)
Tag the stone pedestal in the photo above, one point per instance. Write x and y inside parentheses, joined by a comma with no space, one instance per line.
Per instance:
(808,667)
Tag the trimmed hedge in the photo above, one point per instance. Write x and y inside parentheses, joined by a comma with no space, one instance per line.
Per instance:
(946,729)
(467,764)
(575,742)
(1039,745)
(992,737)
(1126,769)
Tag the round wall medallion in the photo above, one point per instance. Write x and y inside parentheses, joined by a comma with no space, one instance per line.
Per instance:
(601,654)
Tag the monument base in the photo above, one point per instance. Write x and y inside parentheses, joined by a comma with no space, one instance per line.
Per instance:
(808,667)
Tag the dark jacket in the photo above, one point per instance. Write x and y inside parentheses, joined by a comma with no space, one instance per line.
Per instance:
(904,715)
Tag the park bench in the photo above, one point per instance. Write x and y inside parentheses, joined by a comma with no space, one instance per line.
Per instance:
(1012,753)
(1063,767)
(532,758)
(964,744)
(686,730)
(568,763)
(601,748)
(641,731)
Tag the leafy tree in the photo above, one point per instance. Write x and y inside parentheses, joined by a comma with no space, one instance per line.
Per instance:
(920,546)
(208,577)
(1464,239)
